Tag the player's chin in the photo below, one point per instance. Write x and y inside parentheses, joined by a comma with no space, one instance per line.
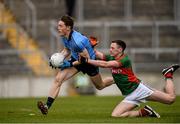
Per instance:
(111,54)
(60,33)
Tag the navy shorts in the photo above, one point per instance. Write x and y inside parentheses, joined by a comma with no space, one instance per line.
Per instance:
(86,68)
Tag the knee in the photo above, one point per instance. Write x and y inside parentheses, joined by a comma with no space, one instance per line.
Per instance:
(100,87)
(57,81)
(171,99)
(115,115)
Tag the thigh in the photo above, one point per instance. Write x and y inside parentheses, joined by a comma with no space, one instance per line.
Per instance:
(66,74)
(159,96)
(123,107)
(139,95)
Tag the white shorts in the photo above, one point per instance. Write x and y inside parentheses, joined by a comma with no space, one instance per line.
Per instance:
(139,95)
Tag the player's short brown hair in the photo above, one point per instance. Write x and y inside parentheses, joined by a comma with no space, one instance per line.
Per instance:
(68,21)
(121,43)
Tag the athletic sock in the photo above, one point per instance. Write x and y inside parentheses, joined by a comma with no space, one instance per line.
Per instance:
(168,75)
(143,112)
(49,102)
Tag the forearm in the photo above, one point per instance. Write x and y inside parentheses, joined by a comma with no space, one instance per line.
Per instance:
(98,63)
(65,52)
(99,55)
(101,63)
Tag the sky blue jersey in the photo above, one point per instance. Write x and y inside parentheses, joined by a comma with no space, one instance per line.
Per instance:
(76,43)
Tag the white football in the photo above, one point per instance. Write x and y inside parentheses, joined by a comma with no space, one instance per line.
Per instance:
(57,59)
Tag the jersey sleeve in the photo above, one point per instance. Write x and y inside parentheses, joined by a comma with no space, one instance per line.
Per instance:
(79,47)
(108,58)
(125,62)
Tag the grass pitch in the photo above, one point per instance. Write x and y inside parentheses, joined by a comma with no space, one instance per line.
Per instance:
(80,109)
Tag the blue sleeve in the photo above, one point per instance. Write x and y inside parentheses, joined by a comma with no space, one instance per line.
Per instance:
(79,47)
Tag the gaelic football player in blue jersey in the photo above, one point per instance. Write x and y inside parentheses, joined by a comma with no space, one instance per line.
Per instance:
(75,44)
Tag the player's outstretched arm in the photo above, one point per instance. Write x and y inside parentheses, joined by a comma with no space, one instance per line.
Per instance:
(100,63)
(104,64)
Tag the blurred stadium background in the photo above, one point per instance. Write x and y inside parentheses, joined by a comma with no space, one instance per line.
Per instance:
(28,36)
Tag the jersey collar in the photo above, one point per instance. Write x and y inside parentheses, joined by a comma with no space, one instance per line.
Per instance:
(70,35)
(120,57)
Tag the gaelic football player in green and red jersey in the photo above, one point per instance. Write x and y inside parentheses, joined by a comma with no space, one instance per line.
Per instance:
(134,90)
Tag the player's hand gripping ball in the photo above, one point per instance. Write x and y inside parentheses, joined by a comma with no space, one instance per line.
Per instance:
(56,59)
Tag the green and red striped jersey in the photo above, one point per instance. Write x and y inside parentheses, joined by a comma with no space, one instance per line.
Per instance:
(123,75)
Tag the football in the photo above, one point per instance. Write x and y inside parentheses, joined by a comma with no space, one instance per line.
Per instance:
(57,59)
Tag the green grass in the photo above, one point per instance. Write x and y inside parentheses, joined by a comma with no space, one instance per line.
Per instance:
(81,109)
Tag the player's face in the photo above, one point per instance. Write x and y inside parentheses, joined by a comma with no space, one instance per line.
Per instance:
(62,29)
(115,49)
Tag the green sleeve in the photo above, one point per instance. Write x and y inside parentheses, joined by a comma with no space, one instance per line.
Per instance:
(126,62)
(108,58)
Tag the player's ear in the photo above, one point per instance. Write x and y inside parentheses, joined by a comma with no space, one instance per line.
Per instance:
(68,28)
(120,49)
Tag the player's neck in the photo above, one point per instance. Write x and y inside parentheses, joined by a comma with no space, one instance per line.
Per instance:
(119,55)
(68,34)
